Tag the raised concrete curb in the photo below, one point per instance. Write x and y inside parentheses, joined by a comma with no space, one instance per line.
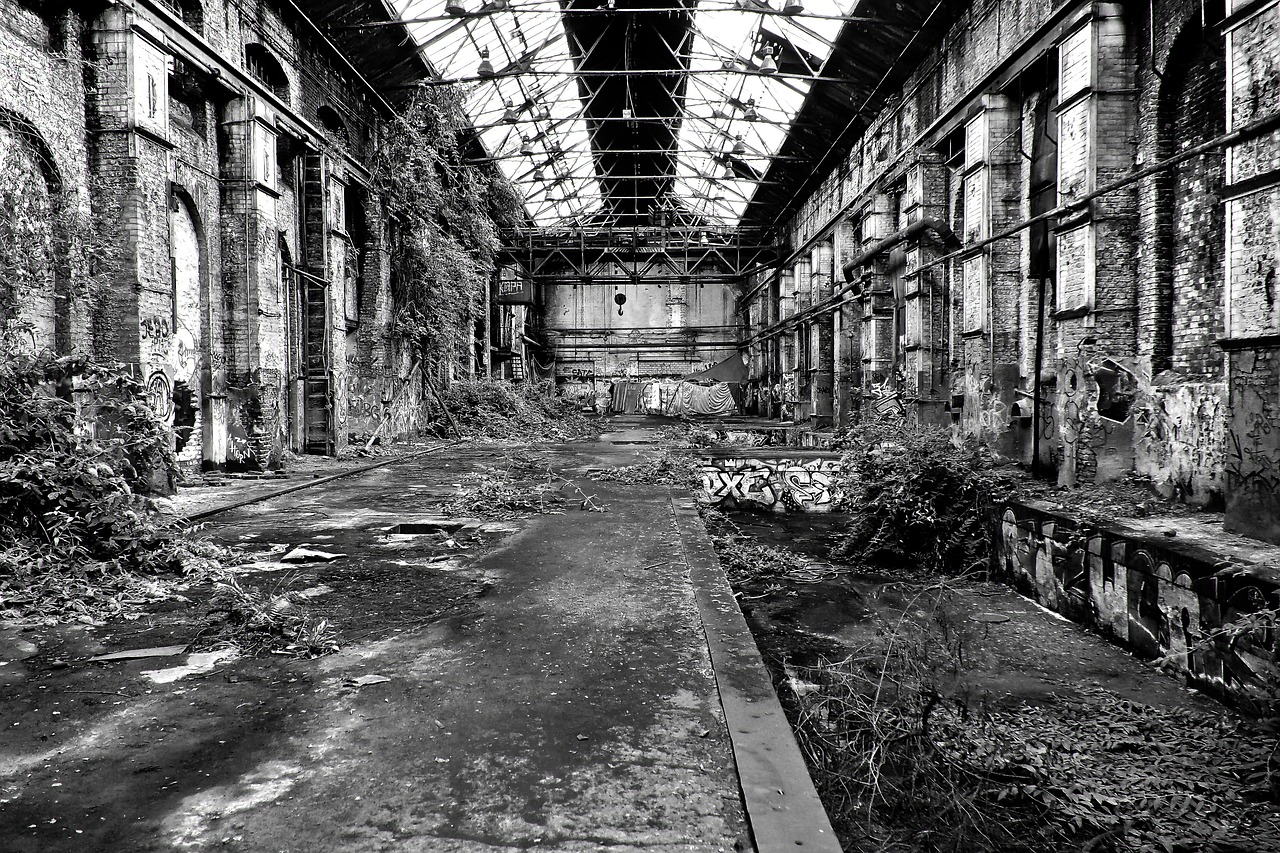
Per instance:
(783,809)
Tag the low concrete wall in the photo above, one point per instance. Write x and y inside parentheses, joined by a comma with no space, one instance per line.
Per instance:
(1156,593)
(785,480)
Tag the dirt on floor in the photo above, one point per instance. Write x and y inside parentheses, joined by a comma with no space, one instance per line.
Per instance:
(1138,760)
(485,696)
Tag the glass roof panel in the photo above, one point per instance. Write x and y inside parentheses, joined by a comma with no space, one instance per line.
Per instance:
(527,104)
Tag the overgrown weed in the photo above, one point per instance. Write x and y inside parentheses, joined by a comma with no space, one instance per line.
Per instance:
(81,452)
(906,760)
(522,487)
(671,468)
(528,411)
(748,564)
(918,498)
(275,620)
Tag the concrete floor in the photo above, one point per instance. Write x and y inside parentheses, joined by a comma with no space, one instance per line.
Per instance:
(549,687)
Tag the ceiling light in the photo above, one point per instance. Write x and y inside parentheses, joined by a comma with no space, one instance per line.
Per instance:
(497,6)
(526,146)
(454,7)
(767,65)
(486,67)
(728,64)
(728,171)
(739,147)
(751,113)
(626,112)
(510,115)
(537,174)
(792,7)
(716,112)
(543,112)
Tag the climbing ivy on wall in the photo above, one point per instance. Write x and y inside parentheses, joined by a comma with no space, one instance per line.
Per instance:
(446,213)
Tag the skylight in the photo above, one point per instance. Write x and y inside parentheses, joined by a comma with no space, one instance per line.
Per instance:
(513,60)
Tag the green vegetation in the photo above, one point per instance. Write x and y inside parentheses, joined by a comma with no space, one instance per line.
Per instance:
(919,499)
(446,213)
(79,535)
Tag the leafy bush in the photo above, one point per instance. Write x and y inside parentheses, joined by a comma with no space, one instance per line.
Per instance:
(269,621)
(501,409)
(80,449)
(918,498)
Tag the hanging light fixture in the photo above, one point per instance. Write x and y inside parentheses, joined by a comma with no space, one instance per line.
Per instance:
(510,115)
(497,6)
(739,147)
(626,112)
(543,112)
(728,171)
(728,64)
(485,68)
(767,65)
(537,174)
(716,112)
(526,146)
(792,7)
(454,8)
(751,113)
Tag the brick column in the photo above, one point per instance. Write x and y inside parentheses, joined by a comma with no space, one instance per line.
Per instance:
(876,344)
(1252,341)
(821,340)
(1096,251)
(847,365)
(989,276)
(925,302)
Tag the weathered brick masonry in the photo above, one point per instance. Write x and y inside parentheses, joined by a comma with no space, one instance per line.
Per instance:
(1139,330)
(223,150)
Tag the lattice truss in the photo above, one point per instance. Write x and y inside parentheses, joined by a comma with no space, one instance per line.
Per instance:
(602,112)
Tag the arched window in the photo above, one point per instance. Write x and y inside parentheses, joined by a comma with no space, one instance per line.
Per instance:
(332,122)
(190,11)
(1192,224)
(32,239)
(266,69)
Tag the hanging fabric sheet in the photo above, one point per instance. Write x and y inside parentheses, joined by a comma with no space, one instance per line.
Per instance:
(713,400)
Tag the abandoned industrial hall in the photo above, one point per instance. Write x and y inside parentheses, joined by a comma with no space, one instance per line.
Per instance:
(481,425)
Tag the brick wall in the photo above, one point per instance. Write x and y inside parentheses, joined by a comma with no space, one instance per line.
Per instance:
(42,122)
(192,174)
(1136,280)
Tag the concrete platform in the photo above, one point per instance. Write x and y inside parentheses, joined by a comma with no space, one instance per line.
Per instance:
(577,702)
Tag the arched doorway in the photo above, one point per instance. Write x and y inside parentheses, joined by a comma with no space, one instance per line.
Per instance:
(30,195)
(187,345)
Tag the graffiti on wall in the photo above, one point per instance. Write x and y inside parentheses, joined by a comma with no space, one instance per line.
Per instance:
(1161,602)
(1252,458)
(384,406)
(1114,417)
(777,485)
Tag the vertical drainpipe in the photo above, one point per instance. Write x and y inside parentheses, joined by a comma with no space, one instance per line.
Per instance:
(1036,381)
